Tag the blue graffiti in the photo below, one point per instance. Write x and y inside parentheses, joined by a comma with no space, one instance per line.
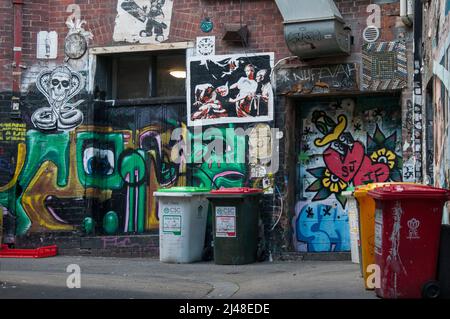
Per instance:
(323,228)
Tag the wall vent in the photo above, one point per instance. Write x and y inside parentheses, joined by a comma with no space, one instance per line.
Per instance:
(371,34)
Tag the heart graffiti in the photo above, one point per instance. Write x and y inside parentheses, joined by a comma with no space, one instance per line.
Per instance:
(344,167)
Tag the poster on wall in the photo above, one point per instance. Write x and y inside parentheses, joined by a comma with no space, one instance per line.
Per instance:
(143,21)
(229,89)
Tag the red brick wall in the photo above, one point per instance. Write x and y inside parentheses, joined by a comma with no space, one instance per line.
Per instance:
(262,17)
(6,45)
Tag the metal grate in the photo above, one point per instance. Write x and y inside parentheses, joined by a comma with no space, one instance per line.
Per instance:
(371,34)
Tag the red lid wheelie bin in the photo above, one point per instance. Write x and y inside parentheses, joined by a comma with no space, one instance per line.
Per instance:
(407,233)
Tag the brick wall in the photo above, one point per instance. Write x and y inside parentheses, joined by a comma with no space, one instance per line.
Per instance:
(6,45)
(261,16)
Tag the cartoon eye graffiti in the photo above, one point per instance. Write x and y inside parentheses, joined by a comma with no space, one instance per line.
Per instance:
(97,161)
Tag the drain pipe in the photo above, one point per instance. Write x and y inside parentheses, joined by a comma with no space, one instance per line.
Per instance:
(17,50)
(407,11)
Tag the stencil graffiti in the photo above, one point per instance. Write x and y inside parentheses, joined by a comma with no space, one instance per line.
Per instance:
(144,21)
(59,86)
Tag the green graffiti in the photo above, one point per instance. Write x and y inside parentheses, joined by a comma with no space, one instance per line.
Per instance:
(132,169)
(89,146)
(46,147)
(111,223)
(221,153)
(88,225)
(41,148)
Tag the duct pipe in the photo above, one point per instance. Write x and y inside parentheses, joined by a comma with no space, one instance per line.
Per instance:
(407,11)
(18,22)
(314,29)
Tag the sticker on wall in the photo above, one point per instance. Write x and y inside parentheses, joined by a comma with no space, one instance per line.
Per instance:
(47,45)
(229,89)
(384,66)
(206,45)
(206,25)
(59,86)
(225,221)
(143,21)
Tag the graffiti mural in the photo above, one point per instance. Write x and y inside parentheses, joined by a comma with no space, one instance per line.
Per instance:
(324,227)
(343,143)
(221,158)
(229,89)
(143,21)
(59,86)
(62,178)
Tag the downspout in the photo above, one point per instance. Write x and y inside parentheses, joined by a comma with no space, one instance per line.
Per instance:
(17,73)
(407,11)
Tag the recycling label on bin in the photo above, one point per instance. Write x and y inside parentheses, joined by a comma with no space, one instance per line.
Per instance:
(378,231)
(171,220)
(225,221)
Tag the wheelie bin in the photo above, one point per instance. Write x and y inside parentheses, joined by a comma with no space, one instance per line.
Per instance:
(182,215)
(444,262)
(236,214)
(353,223)
(407,233)
(366,219)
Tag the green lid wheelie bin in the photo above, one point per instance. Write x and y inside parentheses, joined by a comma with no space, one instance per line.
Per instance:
(235,225)
(182,215)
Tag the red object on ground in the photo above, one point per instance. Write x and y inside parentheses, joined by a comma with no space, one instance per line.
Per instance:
(407,233)
(41,252)
(236,190)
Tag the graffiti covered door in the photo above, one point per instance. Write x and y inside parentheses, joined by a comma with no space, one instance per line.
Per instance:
(341,143)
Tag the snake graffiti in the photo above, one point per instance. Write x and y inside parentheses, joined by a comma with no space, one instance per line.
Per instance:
(343,143)
(59,86)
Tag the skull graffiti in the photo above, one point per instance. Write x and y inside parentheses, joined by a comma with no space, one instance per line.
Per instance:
(59,86)
(60,82)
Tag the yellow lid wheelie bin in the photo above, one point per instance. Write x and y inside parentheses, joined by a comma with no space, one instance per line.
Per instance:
(366,208)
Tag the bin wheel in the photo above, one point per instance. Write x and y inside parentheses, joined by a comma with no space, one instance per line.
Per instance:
(431,290)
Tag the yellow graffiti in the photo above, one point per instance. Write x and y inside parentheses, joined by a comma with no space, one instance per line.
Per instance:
(34,197)
(342,125)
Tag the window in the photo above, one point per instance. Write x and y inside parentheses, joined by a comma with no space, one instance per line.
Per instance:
(140,75)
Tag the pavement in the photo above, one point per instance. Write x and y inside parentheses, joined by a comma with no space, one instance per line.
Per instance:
(139,278)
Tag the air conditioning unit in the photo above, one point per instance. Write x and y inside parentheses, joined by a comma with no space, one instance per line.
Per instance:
(314,29)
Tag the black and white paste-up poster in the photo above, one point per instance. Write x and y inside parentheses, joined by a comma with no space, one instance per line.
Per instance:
(229,89)
(143,21)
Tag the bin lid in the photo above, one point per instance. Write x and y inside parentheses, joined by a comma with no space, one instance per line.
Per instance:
(184,189)
(362,190)
(237,191)
(348,192)
(402,191)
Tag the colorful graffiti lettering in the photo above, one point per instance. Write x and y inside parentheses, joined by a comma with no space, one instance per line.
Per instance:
(54,170)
